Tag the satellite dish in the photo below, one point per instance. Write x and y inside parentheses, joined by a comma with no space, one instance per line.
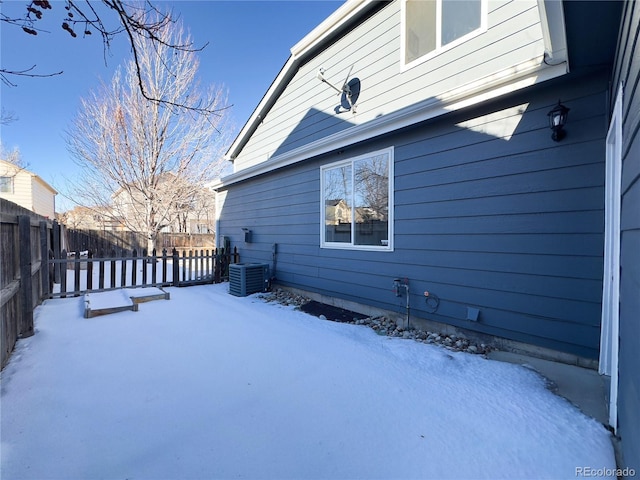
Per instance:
(349,92)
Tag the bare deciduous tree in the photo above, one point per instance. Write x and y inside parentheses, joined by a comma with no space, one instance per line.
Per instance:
(143,158)
(200,210)
(139,20)
(7,117)
(12,156)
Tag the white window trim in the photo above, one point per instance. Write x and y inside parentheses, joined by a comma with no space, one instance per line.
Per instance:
(484,9)
(11,183)
(351,246)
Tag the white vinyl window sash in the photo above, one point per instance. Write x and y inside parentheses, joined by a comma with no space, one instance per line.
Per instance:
(357,203)
(431,26)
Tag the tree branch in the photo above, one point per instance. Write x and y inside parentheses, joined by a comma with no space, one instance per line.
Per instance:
(27,72)
(7,117)
(144,23)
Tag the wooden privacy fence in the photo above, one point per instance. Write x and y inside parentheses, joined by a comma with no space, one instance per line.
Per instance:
(82,272)
(25,242)
(96,240)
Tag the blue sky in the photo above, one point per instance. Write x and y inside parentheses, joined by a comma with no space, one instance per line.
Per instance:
(249,42)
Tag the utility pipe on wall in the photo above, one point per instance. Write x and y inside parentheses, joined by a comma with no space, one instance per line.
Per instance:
(398,284)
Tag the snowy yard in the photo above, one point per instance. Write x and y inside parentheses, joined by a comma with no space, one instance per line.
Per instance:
(207,385)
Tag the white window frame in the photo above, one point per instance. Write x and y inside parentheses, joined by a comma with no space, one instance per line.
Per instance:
(351,246)
(439,47)
(10,183)
(609,336)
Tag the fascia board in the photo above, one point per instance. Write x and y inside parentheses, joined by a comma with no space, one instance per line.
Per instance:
(501,83)
(319,34)
(39,179)
(263,107)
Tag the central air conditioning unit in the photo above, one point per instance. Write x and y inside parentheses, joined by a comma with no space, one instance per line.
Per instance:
(248,278)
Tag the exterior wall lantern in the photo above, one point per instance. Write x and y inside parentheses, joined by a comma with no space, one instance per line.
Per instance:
(248,238)
(557,119)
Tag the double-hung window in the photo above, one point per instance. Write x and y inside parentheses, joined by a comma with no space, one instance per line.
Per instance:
(357,202)
(430,26)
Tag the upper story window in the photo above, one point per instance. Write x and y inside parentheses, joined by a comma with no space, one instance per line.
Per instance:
(432,25)
(6,184)
(357,202)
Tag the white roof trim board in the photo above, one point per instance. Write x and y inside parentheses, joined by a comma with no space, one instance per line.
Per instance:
(345,13)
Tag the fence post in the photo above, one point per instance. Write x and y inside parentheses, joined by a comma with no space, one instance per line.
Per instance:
(184,266)
(123,269)
(145,260)
(63,274)
(202,270)
(44,259)
(51,270)
(134,267)
(101,270)
(112,272)
(164,267)
(176,268)
(25,328)
(89,270)
(76,274)
(217,267)
(154,267)
(208,271)
(56,251)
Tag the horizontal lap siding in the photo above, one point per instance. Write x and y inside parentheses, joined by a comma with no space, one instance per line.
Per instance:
(627,70)
(510,225)
(305,110)
(528,217)
(43,199)
(22,194)
(285,211)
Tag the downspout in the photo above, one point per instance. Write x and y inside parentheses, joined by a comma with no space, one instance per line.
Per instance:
(554,34)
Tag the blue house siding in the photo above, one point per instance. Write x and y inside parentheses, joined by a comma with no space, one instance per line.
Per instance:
(510,223)
(627,70)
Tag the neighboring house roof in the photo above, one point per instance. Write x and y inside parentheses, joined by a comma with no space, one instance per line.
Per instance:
(550,62)
(11,167)
(27,189)
(92,218)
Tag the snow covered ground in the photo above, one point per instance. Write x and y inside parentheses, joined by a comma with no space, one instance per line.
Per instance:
(207,385)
